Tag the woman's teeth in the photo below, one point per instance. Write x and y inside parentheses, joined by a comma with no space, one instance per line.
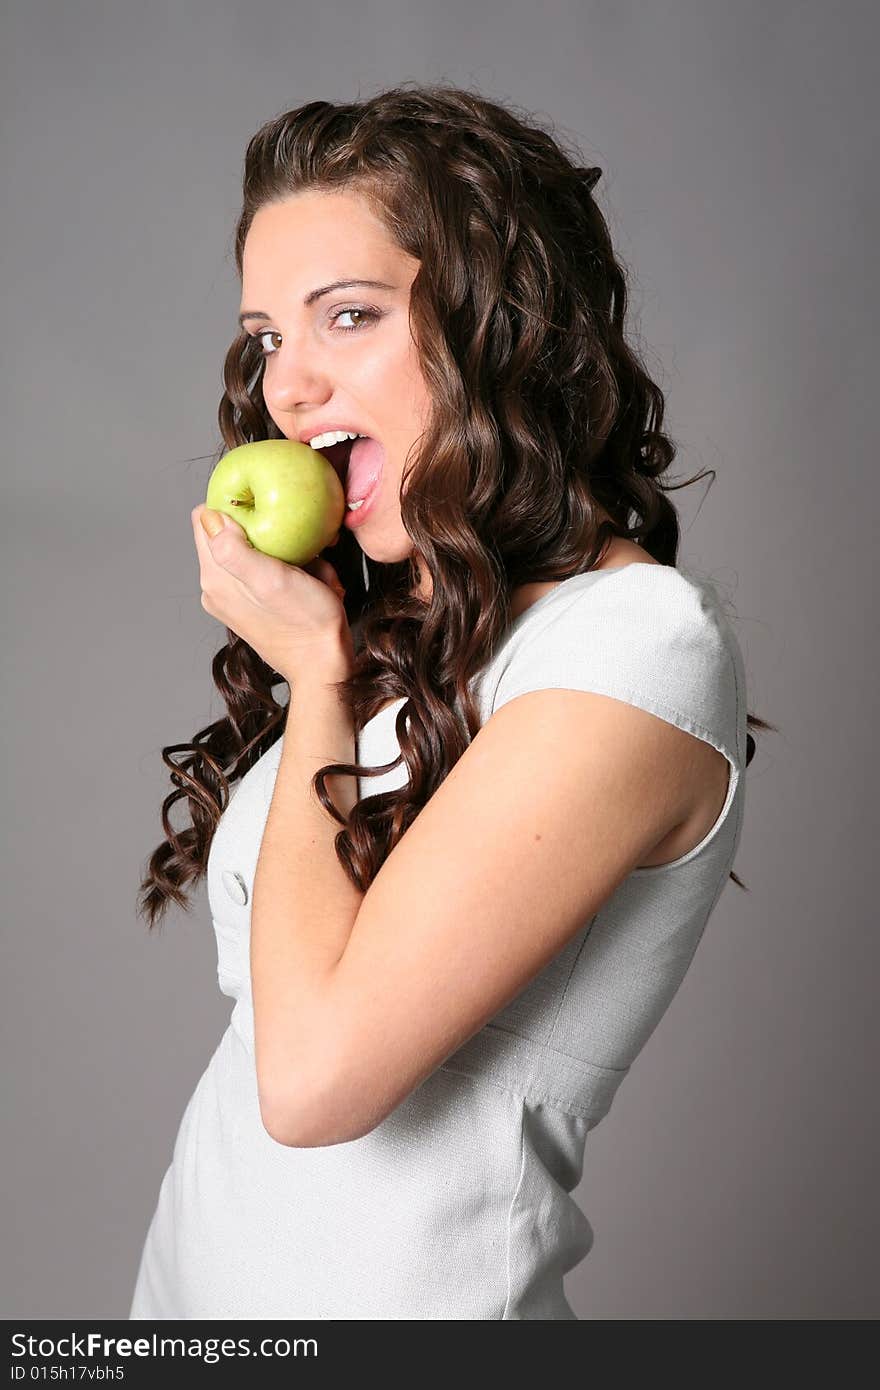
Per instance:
(324,441)
(353,506)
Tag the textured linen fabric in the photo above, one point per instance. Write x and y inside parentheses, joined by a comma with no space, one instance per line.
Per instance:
(458,1205)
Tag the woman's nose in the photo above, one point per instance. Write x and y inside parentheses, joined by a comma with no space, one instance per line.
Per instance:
(294,376)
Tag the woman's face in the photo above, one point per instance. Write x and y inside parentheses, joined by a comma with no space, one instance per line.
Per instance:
(346,359)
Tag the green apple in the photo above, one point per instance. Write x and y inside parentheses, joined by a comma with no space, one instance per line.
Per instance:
(286,496)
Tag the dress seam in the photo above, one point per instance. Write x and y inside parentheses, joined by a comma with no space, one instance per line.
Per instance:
(564,991)
(536,1096)
(516,1192)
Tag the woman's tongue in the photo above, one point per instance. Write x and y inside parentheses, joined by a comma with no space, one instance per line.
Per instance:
(364,466)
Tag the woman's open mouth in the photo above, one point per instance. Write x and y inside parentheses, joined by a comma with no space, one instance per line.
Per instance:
(339,455)
(359,464)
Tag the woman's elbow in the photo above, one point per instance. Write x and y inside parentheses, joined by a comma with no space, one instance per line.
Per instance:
(314,1117)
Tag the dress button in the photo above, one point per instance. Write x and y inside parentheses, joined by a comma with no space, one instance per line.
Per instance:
(235,886)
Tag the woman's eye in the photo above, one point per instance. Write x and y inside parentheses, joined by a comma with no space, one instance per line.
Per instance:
(366,316)
(258,338)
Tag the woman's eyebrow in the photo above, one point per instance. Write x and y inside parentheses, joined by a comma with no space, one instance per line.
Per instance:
(317,294)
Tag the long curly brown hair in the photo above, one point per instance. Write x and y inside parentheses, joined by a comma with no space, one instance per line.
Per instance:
(545,441)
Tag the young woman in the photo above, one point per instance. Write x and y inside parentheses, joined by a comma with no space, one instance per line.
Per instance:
(465,868)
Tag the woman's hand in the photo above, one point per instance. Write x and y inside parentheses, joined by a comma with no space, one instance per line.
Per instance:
(291,615)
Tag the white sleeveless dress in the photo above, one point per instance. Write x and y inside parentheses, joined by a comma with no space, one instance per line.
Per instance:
(458,1205)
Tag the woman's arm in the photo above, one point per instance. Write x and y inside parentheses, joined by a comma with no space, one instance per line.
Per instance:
(304,904)
(559,796)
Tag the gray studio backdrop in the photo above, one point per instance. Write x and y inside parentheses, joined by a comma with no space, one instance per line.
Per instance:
(736,1174)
